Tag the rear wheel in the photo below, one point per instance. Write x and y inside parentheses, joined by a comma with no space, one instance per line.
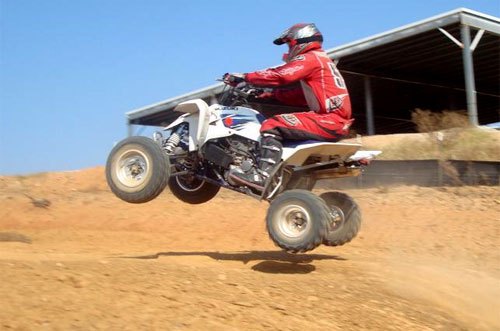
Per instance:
(137,170)
(344,220)
(296,220)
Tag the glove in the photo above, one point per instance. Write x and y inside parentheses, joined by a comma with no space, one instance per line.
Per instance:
(233,79)
(265,94)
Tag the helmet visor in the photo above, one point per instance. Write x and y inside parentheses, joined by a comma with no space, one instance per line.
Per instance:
(283,38)
(300,33)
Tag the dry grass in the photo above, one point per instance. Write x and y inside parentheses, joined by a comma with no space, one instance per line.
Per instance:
(428,121)
(444,136)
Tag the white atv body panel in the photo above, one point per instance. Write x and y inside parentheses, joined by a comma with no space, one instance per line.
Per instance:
(216,121)
(197,116)
(207,123)
(228,121)
(299,153)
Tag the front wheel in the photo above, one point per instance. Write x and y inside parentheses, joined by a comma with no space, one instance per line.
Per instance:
(192,190)
(296,221)
(137,170)
(344,220)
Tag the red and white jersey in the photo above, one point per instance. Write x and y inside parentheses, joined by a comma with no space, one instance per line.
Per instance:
(323,88)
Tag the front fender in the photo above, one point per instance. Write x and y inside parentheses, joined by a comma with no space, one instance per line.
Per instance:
(179,120)
(197,115)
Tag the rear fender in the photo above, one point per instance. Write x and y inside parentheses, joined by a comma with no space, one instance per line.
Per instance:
(298,154)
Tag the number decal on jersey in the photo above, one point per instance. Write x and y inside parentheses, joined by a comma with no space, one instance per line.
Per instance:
(337,77)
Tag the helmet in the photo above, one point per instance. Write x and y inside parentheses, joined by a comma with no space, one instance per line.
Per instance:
(300,38)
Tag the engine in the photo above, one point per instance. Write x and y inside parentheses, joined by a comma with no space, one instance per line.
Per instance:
(232,154)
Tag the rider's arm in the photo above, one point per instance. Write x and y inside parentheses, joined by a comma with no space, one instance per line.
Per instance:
(283,75)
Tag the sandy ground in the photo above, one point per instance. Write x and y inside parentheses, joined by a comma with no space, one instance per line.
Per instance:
(425,259)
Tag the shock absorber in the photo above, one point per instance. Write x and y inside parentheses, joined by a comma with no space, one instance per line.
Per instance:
(173,140)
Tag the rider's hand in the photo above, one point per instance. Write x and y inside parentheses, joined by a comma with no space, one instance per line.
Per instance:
(265,94)
(233,79)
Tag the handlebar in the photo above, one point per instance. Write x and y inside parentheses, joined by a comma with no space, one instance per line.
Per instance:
(247,91)
(239,94)
(243,87)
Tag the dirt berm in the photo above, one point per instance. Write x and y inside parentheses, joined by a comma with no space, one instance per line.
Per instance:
(425,259)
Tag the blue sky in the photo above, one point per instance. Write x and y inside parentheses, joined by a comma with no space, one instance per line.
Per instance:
(69,70)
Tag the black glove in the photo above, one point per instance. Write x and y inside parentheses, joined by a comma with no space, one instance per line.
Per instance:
(233,79)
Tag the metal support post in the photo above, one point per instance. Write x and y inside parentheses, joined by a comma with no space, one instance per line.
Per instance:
(213,99)
(370,126)
(470,86)
(130,129)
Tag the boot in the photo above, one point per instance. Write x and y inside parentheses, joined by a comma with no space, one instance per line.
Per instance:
(270,155)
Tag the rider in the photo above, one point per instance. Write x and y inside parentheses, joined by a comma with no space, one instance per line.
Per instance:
(322,90)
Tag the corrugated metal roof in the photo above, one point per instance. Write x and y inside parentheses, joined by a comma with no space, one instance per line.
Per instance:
(416,52)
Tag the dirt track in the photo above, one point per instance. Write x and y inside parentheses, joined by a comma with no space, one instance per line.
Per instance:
(425,259)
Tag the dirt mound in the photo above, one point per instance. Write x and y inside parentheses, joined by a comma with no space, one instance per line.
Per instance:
(425,259)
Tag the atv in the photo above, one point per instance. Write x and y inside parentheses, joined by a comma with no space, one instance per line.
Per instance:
(198,151)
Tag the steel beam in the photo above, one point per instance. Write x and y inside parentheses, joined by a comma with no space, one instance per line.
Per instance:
(483,22)
(130,129)
(370,126)
(476,40)
(470,86)
(447,34)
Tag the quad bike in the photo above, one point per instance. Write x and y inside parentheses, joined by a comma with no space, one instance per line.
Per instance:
(205,144)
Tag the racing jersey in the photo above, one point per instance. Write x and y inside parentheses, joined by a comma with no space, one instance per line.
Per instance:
(323,89)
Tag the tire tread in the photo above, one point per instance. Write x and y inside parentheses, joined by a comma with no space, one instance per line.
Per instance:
(159,178)
(351,225)
(319,223)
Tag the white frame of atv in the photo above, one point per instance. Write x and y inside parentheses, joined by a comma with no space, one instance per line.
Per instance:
(199,116)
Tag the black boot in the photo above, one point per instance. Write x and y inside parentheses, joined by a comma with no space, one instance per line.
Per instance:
(270,155)
(252,178)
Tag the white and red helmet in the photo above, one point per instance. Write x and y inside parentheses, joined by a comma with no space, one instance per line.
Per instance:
(300,38)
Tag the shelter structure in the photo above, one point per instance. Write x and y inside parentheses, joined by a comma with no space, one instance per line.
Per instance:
(447,62)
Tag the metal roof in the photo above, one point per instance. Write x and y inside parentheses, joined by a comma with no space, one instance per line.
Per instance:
(418,53)
(461,15)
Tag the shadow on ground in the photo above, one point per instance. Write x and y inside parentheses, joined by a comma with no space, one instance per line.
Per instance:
(272,261)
